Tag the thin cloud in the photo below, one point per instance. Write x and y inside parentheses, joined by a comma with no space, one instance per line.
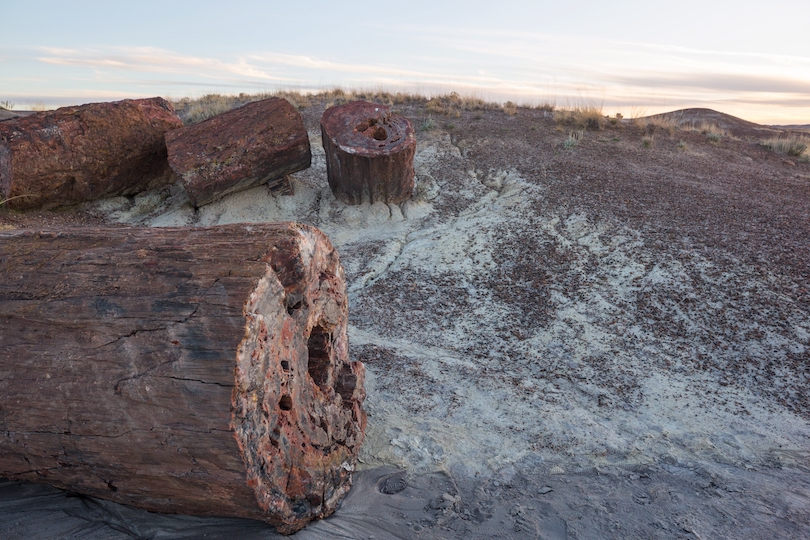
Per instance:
(719,82)
(519,66)
(153,60)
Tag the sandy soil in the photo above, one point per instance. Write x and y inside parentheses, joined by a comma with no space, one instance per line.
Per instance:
(605,341)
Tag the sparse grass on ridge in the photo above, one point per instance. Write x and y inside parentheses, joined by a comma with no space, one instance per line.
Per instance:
(197,110)
(453,104)
(576,119)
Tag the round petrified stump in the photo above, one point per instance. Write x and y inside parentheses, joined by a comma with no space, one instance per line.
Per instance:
(369,153)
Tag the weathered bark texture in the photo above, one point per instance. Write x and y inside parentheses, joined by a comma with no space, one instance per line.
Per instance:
(77,154)
(199,371)
(369,153)
(258,143)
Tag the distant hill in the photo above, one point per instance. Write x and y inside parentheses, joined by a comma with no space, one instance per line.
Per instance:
(733,125)
(5,114)
(804,128)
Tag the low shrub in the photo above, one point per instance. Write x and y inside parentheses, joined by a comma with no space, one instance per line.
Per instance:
(791,145)
(573,139)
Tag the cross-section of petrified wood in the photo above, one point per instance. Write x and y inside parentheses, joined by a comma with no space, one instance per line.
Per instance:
(200,371)
(76,154)
(258,143)
(369,153)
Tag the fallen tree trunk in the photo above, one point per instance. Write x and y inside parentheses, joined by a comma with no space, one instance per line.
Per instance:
(259,143)
(76,154)
(199,371)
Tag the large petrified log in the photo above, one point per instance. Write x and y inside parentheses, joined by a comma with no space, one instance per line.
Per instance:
(200,371)
(258,143)
(76,154)
(369,153)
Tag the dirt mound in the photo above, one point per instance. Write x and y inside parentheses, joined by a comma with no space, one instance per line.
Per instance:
(731,124)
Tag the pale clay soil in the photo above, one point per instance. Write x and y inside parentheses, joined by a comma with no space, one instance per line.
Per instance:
(606,341)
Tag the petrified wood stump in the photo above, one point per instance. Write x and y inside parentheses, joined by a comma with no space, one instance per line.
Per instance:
(76,154)
(199,371)
(258,143)
(369,153)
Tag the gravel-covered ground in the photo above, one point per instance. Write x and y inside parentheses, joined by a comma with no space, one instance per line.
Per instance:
(605,340)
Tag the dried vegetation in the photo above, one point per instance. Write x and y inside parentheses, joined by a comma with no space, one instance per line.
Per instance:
(574,119)
(791,145)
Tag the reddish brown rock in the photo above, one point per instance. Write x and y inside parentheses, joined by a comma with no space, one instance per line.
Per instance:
(258,143)
(76,154)
(369,153)
(189,370)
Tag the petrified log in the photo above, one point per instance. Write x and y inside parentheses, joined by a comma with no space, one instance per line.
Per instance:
(76,154)
(369,153)
(258,143)
(200,371)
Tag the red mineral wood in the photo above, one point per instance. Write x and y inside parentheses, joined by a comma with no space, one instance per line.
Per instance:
(369,153)
(200,371)
(76,154)
(258,143)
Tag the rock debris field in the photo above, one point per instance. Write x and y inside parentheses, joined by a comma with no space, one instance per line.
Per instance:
(609,340)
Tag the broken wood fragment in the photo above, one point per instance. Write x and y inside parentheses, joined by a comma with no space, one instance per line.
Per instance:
(77,154)
(200,371)
(258,143)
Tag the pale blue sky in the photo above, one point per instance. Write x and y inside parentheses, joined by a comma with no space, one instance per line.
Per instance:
(752,60)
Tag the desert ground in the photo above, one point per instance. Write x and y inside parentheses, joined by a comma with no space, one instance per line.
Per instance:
(578,327)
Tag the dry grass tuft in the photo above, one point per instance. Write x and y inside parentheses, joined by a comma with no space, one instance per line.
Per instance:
(6,105)
(3,200)
(791,145)
(651,124)
(339,96)
(582,116)
(648,141)
(193,111)
(712,131)
(453,104)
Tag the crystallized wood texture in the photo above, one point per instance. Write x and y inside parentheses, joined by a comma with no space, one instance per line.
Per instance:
(76,154)
(369,153)
(259,143)
(200,371)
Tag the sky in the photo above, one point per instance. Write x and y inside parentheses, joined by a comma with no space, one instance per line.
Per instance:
(749,59)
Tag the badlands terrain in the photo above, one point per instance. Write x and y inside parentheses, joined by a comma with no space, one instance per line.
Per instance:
(578,327)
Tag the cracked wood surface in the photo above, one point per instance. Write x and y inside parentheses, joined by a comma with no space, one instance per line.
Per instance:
(259,143)
(76,154)
(369,153)
(200,371)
